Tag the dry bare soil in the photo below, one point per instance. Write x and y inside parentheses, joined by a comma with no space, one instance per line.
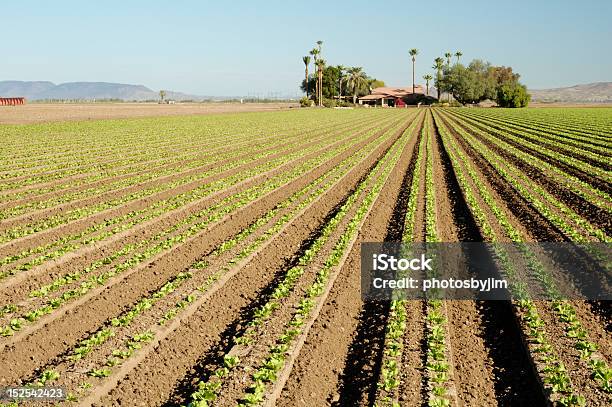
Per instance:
(46,112)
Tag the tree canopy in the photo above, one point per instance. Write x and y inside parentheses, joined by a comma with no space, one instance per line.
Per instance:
(512,94)
(480,80)
(331,83)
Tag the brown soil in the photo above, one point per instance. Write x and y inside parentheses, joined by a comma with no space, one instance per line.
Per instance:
(213,145)
(40,112)
(577,172)
(164,367)
(599,216)
(85,256)
(587,145)
(320,375)
(484,334)
(254,354)
(72,374)
(580,377)
(520,208)
(96,291)
(337,358)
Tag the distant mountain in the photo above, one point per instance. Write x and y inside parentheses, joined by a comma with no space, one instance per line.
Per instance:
(598,92)
(85,90)
(27,89)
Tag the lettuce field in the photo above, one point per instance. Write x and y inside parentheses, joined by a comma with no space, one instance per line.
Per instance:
(215,260)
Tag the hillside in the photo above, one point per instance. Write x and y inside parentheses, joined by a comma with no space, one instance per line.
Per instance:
(39,90)
(598,92)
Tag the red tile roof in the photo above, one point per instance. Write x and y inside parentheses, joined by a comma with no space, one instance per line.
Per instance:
(397,91)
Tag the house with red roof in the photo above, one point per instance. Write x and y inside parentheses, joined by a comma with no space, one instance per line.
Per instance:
(389,96)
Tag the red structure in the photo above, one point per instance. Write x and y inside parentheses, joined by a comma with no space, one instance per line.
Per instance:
(392,97)
(12,101)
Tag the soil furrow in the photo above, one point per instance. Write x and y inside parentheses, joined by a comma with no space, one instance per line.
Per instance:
(544,136)
(89,314)
(542,229)
(362,366)
(82,257)
(576,172)
(211,151)
(316,377)
(33,217)
(476,326)
(225,304)
(599,216)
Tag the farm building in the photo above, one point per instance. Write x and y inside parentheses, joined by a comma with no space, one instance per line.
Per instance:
(391,96)
(12,101)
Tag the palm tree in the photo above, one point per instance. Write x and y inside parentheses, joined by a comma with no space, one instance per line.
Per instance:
(427,78)
(448,56)
(413,53)
(340,69)
(438,65)
(315,54)
(458,54)
(320,94)
(306,60)
(162,95)
(320,66)
(356,79)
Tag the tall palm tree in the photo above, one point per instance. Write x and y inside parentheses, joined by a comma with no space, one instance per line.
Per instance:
(320,95)
(413,53)
(340,69)
(306,60)
(162,95)
(438,65)
(448,56)
(356,79)
(458,54)
(320,66)
(427,78)
(315,54)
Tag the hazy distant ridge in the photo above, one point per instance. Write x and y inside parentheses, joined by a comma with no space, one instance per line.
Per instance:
(598,92)
(38,90)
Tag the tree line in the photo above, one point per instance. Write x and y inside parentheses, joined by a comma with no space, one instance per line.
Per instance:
(469,84)
(473,83)
(329,82)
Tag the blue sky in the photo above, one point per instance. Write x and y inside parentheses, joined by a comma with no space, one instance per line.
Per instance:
(255,47)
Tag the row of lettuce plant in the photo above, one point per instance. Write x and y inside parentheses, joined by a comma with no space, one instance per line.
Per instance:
(556,212)
(273,362)
(533,136)
(133,218)
(580,187)
(389,380)
(119,355)
(27,229)
(209,215)
(551,369)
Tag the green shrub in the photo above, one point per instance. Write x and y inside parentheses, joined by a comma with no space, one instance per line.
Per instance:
(329,103)
(305,102)
(512,95)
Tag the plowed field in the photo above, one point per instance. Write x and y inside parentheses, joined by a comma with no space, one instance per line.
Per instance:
(215,260)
